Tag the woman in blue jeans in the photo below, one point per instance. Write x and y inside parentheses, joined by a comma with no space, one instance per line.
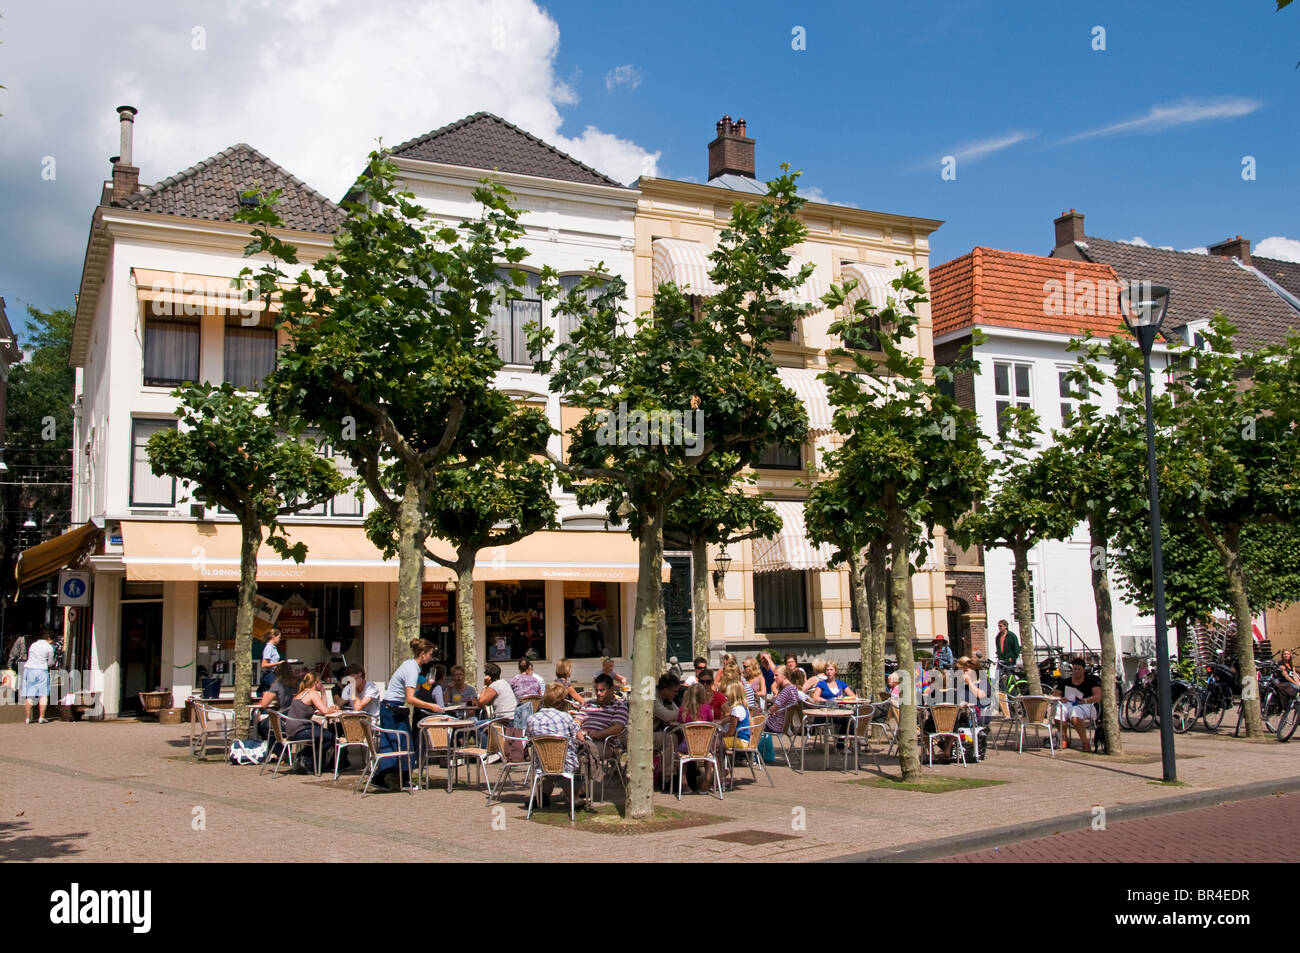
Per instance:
(400,693)
(309,701)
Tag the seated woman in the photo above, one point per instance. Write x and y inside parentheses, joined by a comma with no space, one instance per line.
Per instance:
(754,681)
(696,706)
(830,689)
(551,719)
(736,721)
(276,697)
(458,691)
(607,666)
(525,684)
(731,675)
(500,696)
(298,724)
(563,670)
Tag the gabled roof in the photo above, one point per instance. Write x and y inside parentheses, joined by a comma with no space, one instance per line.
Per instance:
(210,190)
(994,288)
(1285,273)
(1200,285)
(485,141)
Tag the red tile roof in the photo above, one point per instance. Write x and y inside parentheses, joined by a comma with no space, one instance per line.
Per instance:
(990,287)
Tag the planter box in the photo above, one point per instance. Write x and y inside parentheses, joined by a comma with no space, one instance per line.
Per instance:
(171,716)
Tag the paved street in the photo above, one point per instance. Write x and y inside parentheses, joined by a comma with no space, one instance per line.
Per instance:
(1256,831)
(123,791)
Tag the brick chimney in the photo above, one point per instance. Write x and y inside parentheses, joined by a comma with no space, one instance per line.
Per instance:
(1238,248)
(1069,228)
(732,152)
(126,177)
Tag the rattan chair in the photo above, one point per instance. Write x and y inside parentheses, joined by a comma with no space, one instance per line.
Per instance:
(351,735)
(435,742)
(1035,713)
(281,742)
(701,739)
(472,754)
(945,726)
(206,722)
(549,753)
(402,752)
(749,751)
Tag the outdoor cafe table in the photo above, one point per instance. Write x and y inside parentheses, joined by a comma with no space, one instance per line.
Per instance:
(832,715)
(453,726)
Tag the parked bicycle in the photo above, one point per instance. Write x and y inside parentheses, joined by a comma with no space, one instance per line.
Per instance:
(1271,701)
(1206,700)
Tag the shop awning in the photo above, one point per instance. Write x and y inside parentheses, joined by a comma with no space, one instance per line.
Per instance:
(873,283)
(45,559)
(171,551)
(813,393)
(685,264)
(810,292)
(200,292)
(791,548)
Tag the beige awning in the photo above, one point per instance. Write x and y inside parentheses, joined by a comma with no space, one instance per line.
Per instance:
(683,263)
(810,292)
(874,283)
(154,551)
(179,292)
(791,548)
(45,559)
(816,399)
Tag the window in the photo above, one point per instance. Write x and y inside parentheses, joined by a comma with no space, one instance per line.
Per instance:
(147,489)
(1011,387)
(171,351)
(776,457)
(350,502)
(1069,397)
(250,352)
(515,617)
(780,601)
(509,315)
(568,323)
(865,335)
(1032,608)
(591,620)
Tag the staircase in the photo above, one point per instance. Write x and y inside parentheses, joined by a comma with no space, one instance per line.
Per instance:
(1060,638)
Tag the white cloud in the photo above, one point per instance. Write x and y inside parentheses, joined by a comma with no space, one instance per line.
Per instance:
(978,149)
(1136,240)
(1198,250)
(1159,118)
(814,194)
(1275,246)
(627,75)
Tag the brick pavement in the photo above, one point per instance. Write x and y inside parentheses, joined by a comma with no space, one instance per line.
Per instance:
(123,791)
(1255,831)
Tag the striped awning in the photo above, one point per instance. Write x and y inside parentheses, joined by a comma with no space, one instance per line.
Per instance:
(683,263)
(810,292)
(790,549)
(813,393)
(873,283)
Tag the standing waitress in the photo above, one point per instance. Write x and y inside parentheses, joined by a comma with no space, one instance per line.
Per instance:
(400,693)
(270,658)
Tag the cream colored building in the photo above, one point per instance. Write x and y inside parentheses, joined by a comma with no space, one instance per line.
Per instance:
(778,592)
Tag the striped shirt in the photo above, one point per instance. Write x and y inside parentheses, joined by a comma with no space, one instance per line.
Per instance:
(524,684)
(596,717)
(552,721)
(789,695)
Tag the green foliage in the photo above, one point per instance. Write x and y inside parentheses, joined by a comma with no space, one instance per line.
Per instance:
(723,513)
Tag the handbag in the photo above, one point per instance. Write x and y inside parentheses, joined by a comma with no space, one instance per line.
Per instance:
(766,749)
(247,752)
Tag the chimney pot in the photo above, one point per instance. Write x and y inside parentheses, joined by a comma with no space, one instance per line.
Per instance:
(1069,228)
(126,177)
(1238,248)
(732,152)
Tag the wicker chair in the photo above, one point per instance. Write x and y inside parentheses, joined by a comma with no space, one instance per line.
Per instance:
(351,735)
(206,722)
(281,742)
(401,752)
(476,755)
(749,751)
(701,739)
(945,726)
(1034,713)
(549,753)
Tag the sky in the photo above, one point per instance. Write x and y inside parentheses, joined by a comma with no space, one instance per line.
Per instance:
(1168,123)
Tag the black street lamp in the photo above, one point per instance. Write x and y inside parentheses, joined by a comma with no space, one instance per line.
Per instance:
(1144,305)
(722,564)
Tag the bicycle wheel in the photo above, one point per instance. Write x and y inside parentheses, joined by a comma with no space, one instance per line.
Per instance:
(1186,711)
(1287,721)
(1136,710)
(1270,710)
(1215,705)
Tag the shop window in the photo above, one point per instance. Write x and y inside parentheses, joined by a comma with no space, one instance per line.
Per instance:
(591,620)
(781,601)
(515,617)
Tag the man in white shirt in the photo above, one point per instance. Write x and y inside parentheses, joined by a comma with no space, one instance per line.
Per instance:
(36,674)
(358,694)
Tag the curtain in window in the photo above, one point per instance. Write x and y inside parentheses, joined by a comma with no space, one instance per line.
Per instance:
(779,601)
(171,351)
(147,489)
(249,353)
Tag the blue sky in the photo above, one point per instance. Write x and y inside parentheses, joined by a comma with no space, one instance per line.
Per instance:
(1146,137)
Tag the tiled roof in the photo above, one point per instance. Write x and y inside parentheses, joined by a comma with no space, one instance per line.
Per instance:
(1285,273)
(210,190)
(485,141)
(1201,285)
(995,288)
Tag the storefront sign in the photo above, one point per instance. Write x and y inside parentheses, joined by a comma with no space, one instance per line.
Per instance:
(435,604)
(580,589)
(295,622)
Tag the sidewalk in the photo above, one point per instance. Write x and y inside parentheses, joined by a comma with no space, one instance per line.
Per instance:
(122,791)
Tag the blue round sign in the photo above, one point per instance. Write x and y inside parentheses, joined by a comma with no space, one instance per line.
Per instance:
(74,588)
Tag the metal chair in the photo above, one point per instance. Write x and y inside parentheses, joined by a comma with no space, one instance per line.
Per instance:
(401,752)
(605,757)
(701,739)
(945,726)
(549,754)
(860,727)
(206,721)
(476,755)
(281,741)
(1034,714)
(1003,722)
(778,737)
(749,751)
(512,746)
(351,735)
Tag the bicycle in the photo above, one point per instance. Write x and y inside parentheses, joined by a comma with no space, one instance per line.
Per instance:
(1270,700)
(1138,706)
(1012,682)
(1217,698)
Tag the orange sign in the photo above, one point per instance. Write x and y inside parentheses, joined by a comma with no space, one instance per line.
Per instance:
(577,589)
(295,623)
(435,604)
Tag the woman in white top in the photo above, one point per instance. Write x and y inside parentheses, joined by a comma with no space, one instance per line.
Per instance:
(499,695)
(36,673)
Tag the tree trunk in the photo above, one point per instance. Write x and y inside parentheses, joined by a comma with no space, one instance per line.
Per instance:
(1230,553)
(699,597)
(645,638)
(866,638)
(250,541)
(410,570)
(1183,633)
(878,563)
(900,580)
(1106,632)
(1024,618)
(465,632)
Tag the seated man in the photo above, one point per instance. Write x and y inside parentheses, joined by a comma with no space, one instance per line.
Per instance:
(552,720)
(1082,694)
(357,693)
(603,719)
(700,665)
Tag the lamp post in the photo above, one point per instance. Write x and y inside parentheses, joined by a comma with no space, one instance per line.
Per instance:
(1144,305)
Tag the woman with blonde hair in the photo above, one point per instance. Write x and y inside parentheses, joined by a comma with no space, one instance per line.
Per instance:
(696,706)
(754,681)
(736,725)
(731,676)
(564,669)
(307,702)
